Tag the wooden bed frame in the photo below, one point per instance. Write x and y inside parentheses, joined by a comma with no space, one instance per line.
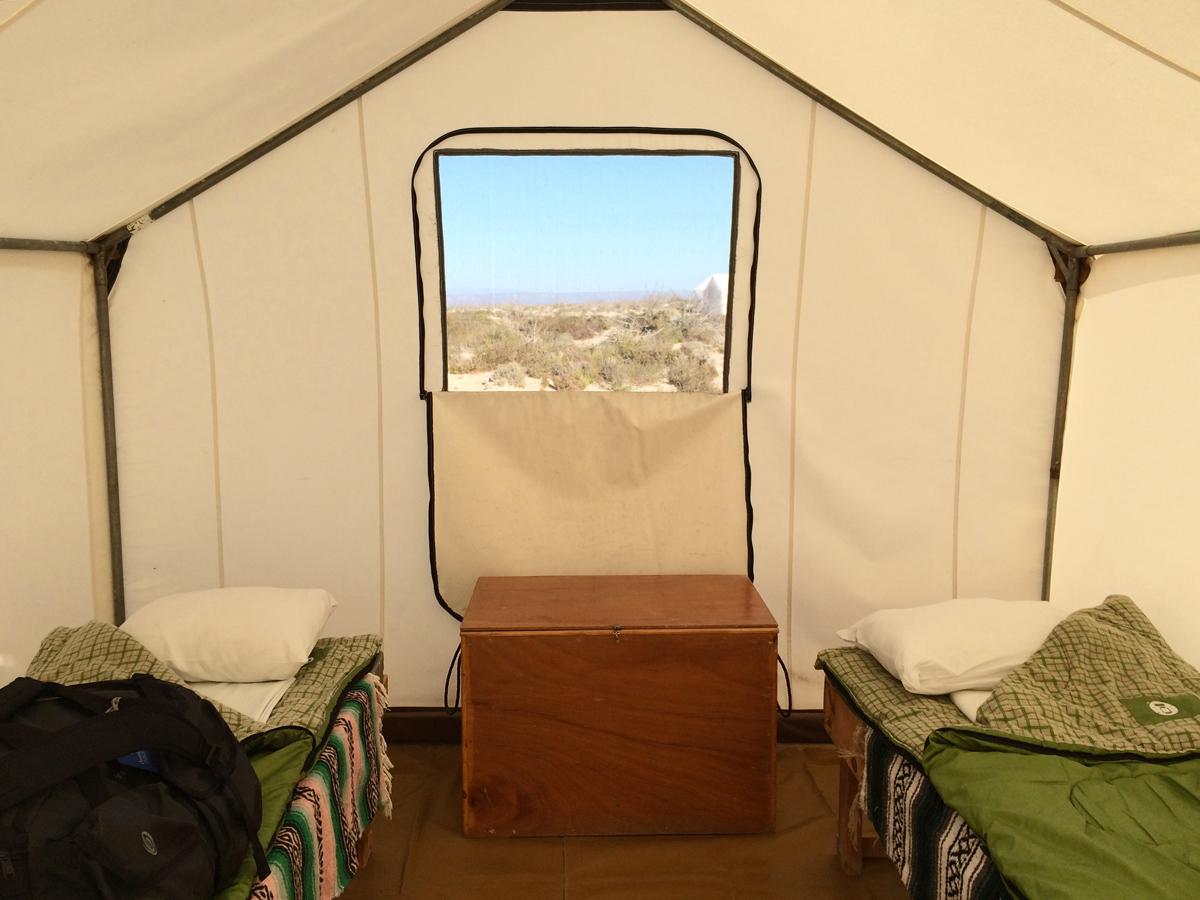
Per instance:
(856,838)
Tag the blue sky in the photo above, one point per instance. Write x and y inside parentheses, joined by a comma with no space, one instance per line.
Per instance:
(524,224)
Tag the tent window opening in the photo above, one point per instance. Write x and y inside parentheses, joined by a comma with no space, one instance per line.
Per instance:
(586,270)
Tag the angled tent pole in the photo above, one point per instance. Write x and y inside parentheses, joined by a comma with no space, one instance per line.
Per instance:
(9,243)
(303,124)
(1052,238)
(1071,272)
(1180,239)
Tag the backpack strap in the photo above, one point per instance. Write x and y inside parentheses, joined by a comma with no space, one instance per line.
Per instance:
(30,770)
(18,694)
(91,700)
(23,691)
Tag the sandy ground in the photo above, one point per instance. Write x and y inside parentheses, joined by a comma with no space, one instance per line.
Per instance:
(483,381)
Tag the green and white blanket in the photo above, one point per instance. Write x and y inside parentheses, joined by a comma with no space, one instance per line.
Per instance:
(905,719)
(101,652)
(1083,773)
(280,749)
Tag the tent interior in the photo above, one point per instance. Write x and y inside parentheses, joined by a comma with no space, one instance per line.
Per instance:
(961,309)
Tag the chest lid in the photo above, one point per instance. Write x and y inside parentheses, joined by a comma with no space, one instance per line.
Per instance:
(630,602)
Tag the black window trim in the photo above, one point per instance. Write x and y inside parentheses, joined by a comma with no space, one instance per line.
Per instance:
(433,146)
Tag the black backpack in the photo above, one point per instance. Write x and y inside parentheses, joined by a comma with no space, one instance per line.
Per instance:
(121,790)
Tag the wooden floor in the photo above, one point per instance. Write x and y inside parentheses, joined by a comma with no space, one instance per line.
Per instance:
(421,854)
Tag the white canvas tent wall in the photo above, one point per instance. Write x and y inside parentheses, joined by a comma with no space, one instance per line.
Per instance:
(269,428)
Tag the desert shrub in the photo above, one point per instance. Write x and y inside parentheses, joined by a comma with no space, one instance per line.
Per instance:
(575,327)
(651,320)
(496,348)
(583,360)
(691,373)
(530,324)
(510,373)
(708,330)
(537,359)
(477,340)
(643,373)
(565,376)
(699,348)
(645,351)
(612,371)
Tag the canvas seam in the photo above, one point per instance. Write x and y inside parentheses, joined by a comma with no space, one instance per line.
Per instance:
(1126,40)
(791,566)
(212,385)
(962,399)
(20,11)
(370,215)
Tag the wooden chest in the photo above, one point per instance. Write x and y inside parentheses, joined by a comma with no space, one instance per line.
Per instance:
(618,705)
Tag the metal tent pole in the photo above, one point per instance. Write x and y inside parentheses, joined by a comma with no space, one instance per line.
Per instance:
(1180,239)
(100,263)
(9,243)
(1071,271)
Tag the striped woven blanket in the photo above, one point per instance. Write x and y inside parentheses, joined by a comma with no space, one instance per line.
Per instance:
(314,852)
(937,854)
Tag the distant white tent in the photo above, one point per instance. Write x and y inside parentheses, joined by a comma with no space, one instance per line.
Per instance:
(713,293)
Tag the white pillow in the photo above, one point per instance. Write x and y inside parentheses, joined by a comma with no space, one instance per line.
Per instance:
(968,702)
(233,634)
(957,645)
(255,699)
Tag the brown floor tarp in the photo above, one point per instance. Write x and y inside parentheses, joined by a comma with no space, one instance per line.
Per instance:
(421,853)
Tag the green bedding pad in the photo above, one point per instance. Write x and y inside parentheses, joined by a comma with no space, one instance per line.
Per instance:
(279,764)
(906,719)
(1083,773)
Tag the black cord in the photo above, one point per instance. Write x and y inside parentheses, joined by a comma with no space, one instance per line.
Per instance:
(787,680)
(455,665)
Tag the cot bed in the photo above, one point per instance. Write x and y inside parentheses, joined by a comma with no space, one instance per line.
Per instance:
(879,730)
(1079,778)
(320,755)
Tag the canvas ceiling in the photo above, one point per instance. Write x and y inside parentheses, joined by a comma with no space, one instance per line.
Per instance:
(899,447)
(111,107)
(1047,106)
(1084,116)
